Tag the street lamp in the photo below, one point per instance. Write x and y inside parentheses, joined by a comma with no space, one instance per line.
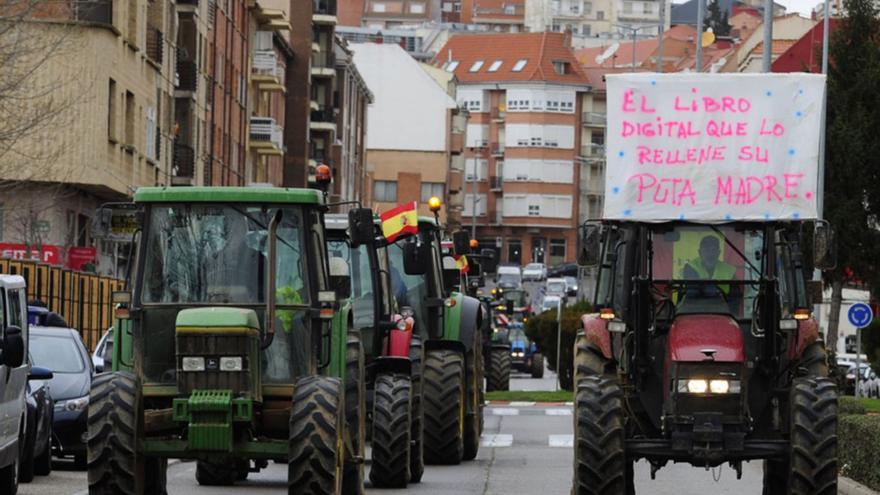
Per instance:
(634,30)
(558,340)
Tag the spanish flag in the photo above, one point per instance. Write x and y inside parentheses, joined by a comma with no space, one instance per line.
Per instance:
(399,221)
(461,262)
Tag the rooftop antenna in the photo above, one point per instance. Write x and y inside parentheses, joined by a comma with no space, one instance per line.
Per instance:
(608,53)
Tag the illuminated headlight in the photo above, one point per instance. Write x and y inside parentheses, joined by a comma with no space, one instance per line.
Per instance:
(517,354)
(231,363)
(711,386)
(697,386)
(193,364)
(72,405)
(719,386)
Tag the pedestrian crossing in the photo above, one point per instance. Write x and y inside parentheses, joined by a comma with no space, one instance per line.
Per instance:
(528,411)
(503,440)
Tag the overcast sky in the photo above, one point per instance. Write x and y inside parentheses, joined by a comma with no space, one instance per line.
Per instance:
(805,7)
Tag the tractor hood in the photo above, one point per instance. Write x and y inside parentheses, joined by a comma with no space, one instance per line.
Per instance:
(694,337)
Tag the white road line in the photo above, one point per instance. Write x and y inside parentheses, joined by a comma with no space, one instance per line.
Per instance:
(561,440)
(569,403)
(558,412)
(521,404)
(498,440)
(503,411)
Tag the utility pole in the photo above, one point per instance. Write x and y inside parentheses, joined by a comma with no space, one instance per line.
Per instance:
(660,37)
(474,193)
(768,34)
(701,10)
(634,30)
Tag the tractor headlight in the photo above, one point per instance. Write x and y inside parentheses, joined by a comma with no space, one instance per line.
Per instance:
(719,386)
(231,363)
(191,363)
(697,386)
(517,354)
(700,386)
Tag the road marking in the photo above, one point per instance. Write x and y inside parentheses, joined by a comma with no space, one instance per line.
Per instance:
(561,440)
(569,403)
(521,404)
(503,411)
(558,412)
(498,440)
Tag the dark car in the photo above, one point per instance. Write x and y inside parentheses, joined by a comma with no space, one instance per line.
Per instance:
(62,349)
(564,270)
(37,452)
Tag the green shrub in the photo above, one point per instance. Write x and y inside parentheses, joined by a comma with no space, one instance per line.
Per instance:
(541,329)
(858,448)
(850,405)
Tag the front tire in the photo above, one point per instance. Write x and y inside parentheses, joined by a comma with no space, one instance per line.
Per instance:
(416,451)
(355,407)
(315,447)
(813,437)
(473,419)
(499,370)
(444,407)
(600,463)
(391,431)
(537,365)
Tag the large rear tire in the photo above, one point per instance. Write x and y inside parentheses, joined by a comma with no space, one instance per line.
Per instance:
(355,414)
(316,446)
(815,360)
(537,365)
(443,397)
(813,437)
(473,419)
(391,431)
(114,465)
(416,450)
(600,462)
(498,377)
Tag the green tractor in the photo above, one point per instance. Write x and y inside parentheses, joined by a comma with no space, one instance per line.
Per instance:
(359,267)
(450,325)
(227,351)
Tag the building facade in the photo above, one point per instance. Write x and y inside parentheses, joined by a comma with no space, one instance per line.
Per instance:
(494,15)
(524,93)
(353,97)
(598,18)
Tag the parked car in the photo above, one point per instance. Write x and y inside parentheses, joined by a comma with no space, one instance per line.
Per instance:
(13,376)
(572,286)
(103,352)
(563,270)
(63,350)
(36,457)
(535,271)
(508,277)
(555,287)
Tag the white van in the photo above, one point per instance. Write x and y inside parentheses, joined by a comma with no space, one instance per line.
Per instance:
(13,377)
(508,277)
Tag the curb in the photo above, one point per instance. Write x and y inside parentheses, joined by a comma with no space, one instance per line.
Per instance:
(846,486)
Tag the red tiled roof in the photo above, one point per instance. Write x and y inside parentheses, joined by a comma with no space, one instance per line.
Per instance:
(777,47)
(622,57)
(681,32)
(540,50)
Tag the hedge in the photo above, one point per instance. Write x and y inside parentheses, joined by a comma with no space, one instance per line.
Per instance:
(542,329)
(859,447)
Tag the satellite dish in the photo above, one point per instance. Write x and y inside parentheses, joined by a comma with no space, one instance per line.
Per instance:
(708,38)
(608,53)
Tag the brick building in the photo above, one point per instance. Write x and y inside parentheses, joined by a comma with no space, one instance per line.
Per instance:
(524,94)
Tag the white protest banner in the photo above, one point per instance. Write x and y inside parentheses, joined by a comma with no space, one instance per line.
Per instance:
(712,147)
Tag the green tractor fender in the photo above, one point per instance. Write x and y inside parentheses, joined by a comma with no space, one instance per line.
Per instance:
(338,337)
(462,320)
(123,347)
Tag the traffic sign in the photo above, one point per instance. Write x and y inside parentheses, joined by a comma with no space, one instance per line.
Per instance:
(860,315)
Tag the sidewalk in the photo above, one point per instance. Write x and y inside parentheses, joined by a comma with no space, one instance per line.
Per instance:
(846,486)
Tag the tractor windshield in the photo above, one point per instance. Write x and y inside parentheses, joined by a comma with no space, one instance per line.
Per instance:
(213,254)
(701,269)
(360,273)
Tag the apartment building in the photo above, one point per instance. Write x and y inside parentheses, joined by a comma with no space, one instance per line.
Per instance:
(396,13)
(524,93)
(494,15)
(412,151)
(598,18)
(349,153)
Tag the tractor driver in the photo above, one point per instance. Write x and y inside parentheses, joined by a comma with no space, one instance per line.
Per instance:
(709,266)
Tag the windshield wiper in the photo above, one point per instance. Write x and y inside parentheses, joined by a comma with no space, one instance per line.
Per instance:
(261,225)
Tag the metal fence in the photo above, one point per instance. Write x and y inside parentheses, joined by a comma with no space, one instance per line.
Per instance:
(83,299)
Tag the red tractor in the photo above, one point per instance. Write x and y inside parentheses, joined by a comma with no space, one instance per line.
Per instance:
(703,351)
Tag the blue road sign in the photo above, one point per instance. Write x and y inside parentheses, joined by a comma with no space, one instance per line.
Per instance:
(860,315)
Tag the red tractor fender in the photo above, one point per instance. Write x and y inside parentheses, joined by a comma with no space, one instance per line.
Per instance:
(398,341)
(808,333)
(596,332)
(690,335)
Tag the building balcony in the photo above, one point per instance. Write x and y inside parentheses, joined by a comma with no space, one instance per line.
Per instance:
(593,151)
(323,65)
(497,149)
(155,45)
(272,19)
(266,137)
(498,114)
(187,74)
(266,73)
(594,119)
(99,11)
(184,160)
(324,12)
(593,186)
(496,183)
(322,120)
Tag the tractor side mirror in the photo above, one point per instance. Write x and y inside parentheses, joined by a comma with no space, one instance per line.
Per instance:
(588,245)
(814,291)
(416,257)
(361,228)
(340,279)
(824,252)
(461,242)
(13,347)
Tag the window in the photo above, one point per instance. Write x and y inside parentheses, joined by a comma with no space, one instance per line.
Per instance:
(588,8)
(151,133)
(385,191)
(111,111)
(514,251)
(132,34)
(510,9)
(13,299)
(451,65)
(647,8)
(378,7)
(495,66)
(456,7)
(520,64)
(430,189)
(585,29)
(477,65)
(129,118)
(557,251)
(556,28)
(627,7)
(482,169)
(575,8)
(534,210)
(417,8)
(600,15)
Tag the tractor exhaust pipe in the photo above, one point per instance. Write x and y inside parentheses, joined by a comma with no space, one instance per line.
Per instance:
(272,255)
